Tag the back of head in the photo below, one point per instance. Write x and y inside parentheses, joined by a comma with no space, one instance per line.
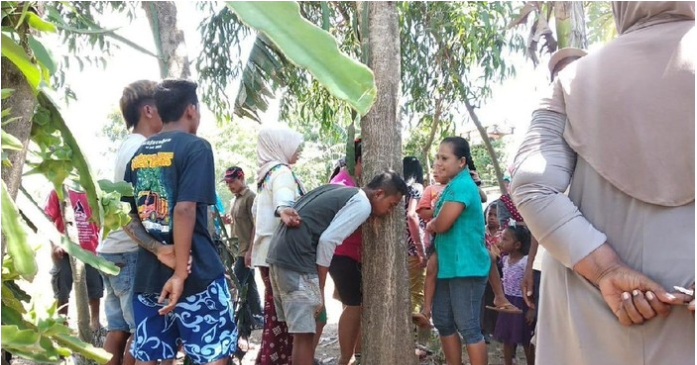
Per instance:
(413,171)
(390,182)
(173,96)
(461,148)
(133,98)
(633,15)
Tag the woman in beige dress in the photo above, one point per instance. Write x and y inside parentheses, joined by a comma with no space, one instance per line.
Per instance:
(617,130)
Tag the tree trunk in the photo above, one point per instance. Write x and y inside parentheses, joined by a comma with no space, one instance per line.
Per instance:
(386,327)
(78,268)
(487,143)
(169,39)
(23,103)
(570,24)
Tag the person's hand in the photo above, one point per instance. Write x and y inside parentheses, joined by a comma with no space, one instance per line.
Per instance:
(165,254)
(172,290)
(57,253)
(426,311)
(475,176)
(248,259)
(530,316)
(429,227)
(691,306)
(290,217)
(528,286)
(319,308)
(422,259)
(633,297)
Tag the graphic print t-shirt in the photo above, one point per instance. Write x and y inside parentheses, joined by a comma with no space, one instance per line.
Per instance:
(168,168)
(87,231)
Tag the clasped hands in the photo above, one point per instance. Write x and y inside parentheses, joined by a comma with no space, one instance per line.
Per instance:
(632,296)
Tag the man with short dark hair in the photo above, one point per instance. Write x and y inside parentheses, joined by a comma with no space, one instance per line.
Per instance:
(174,183)
(302,248)
(121,246)
(243,229)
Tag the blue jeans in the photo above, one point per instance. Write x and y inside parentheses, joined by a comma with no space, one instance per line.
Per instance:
(457,306)
(118,304)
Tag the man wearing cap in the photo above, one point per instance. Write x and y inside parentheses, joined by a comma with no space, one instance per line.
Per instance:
(243,229)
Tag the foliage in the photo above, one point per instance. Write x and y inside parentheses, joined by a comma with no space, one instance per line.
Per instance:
(482,159)
(601,23)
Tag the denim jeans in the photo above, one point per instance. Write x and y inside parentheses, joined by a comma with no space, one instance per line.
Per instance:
(118,304)
(456,307)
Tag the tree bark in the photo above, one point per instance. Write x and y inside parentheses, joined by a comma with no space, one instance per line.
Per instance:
(23,104)
(487,143)
(387,334)
(570,24)
(169,39)
(78,268)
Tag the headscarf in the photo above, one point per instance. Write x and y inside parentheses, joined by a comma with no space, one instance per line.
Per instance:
(276,146)
(630,105)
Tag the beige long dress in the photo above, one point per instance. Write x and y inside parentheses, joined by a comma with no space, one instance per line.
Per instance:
(575,325)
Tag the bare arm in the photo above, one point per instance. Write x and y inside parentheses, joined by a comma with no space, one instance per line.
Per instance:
(446,217)
(183,223)
(413,224)
(136,231)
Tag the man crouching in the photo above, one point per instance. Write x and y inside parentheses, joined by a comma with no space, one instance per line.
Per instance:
(302,249)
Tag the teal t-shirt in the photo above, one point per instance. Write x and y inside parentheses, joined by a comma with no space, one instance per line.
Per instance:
(461,250)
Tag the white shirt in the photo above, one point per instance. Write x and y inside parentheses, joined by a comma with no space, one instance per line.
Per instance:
(118,241)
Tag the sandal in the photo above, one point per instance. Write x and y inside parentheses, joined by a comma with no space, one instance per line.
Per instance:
(506,308)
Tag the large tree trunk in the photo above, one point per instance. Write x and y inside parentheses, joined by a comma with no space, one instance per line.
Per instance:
(169,39)
(23,103)
(387,334)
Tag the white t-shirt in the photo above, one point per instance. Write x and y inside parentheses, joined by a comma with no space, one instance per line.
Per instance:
(118,241)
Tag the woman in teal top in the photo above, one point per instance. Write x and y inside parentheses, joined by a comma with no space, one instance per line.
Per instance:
(463,261)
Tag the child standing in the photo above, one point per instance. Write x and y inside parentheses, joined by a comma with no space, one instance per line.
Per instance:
(515,329)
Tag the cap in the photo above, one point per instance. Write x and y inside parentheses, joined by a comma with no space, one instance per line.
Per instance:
(563,53)
(233,173)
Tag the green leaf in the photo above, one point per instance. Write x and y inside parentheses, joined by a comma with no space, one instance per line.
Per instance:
(6,93)
(39,24)
(16,238)
(9,299)
(85,349)
(43,55)
(19,57)
(10,142)
(87,181)
(122,187)
(311,48)
(12,336)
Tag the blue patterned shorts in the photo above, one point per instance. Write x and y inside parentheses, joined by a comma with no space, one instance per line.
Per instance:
(202,323)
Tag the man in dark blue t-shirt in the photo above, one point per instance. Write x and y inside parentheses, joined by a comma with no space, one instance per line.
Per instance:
(173,178)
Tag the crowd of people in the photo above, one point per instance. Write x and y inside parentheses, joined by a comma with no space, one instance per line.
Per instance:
(580,276)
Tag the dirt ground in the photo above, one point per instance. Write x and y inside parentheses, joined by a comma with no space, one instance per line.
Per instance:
(327,350)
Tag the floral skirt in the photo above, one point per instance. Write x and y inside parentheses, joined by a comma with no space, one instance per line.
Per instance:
(276,342)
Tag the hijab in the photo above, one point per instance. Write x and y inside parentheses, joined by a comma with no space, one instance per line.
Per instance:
(630,106)
(276,146)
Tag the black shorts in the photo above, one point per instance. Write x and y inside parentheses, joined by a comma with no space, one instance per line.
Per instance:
(346,273)
(62,280)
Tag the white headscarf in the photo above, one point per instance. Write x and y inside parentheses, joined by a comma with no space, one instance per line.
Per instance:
(276,146)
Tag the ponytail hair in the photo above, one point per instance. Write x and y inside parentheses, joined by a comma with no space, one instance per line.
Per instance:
(461,148)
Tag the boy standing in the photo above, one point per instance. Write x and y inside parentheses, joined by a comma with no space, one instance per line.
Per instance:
(173,178)
(302,249)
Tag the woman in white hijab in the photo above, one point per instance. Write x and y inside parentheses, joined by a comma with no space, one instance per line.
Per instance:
(621,122)
(278,149)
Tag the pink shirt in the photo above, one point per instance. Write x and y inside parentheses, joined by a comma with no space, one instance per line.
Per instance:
(88,232)
(351,247)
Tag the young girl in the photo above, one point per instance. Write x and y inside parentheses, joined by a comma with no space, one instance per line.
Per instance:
(515,329)
(463,261)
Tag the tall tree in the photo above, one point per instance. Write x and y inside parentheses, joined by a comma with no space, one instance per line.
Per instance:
(386,328)
(169,39)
